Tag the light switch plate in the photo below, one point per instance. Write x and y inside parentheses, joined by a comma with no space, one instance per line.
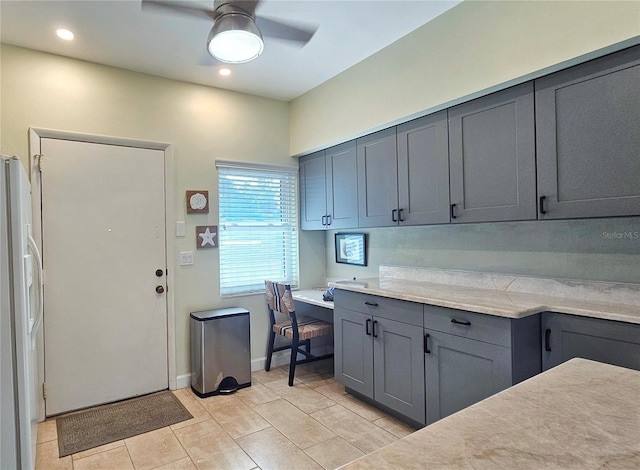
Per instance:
(180,228)
(186,258)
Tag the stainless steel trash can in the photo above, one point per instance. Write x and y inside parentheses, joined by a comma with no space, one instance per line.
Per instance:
(220,351)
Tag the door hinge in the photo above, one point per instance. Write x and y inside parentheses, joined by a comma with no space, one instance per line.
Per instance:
(38,161)
(44,390)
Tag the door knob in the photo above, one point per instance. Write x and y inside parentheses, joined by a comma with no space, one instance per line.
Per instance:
(159,272)
(159,289)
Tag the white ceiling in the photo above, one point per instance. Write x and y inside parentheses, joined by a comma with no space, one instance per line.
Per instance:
(118,33)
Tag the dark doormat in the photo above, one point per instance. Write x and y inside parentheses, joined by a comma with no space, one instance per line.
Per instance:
(101,425)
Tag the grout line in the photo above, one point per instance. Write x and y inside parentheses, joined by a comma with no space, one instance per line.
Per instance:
(299,384)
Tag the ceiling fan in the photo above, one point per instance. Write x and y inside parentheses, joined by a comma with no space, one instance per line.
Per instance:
(236,35)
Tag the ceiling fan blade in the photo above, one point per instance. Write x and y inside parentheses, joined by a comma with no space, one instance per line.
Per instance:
(190,9)
(278,30)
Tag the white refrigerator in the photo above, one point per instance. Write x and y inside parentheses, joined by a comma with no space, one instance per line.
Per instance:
(21,316)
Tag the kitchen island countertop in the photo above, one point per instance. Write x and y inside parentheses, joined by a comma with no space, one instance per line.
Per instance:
(580,414)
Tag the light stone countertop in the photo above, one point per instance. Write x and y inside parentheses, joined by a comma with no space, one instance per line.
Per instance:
(312,296)
(581,414)
(498,302)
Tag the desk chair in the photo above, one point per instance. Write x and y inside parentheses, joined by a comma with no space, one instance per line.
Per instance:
(299,330)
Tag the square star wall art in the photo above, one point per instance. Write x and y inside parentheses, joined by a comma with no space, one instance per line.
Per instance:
(206,236)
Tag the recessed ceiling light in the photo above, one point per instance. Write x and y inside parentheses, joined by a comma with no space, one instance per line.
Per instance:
(65,34)
(224,72)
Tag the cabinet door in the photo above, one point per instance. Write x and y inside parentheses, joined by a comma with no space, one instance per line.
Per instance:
(377,179)
(461,372)
(398,358)
(313,197)
(423,170)
(567,336)
(492,157)
(588,136)
(342,186)
(353,350)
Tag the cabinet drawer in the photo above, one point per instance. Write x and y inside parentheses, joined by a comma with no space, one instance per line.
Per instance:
(486,328)
(392,309)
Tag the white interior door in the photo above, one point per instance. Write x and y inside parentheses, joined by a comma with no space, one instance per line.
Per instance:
(103,239)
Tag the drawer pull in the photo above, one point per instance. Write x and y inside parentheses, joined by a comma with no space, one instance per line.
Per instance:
(461,322)
(426,344)
(366,327)
(547,339)
(453,211)
(371,304)
(393,215)
(375,322)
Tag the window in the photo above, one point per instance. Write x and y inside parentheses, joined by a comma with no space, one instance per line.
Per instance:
(258,227)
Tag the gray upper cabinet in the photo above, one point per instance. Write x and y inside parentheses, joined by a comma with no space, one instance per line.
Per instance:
(588,138)
(423,171)
(342,186)
(378,179)
(492,157)
(313,191)
(328,188)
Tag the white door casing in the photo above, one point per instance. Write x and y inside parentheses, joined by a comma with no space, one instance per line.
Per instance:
(104,231)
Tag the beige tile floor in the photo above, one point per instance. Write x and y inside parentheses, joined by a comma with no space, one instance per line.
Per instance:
(312,425)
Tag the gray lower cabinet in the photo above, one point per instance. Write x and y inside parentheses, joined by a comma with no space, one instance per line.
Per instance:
(470,356)
(379,357)
(378,179)
(567,336)
(423,171)
(328,188)
(461,372)
(492,160)
(353,350)
(588,138)
(398,379)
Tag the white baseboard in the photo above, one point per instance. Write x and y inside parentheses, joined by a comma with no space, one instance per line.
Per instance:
(279,358)
(282,358)
(183,381)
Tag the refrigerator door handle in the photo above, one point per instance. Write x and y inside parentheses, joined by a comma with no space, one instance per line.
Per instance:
(33,247)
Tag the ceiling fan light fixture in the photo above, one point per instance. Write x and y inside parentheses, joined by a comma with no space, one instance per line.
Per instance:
(235,38)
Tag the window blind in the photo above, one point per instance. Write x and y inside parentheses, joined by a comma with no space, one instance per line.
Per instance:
(258,226)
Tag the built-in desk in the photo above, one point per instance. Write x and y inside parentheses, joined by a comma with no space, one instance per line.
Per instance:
(310,304)
(312,296)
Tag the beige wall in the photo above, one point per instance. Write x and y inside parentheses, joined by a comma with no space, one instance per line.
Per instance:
(48,91)
(474,46)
